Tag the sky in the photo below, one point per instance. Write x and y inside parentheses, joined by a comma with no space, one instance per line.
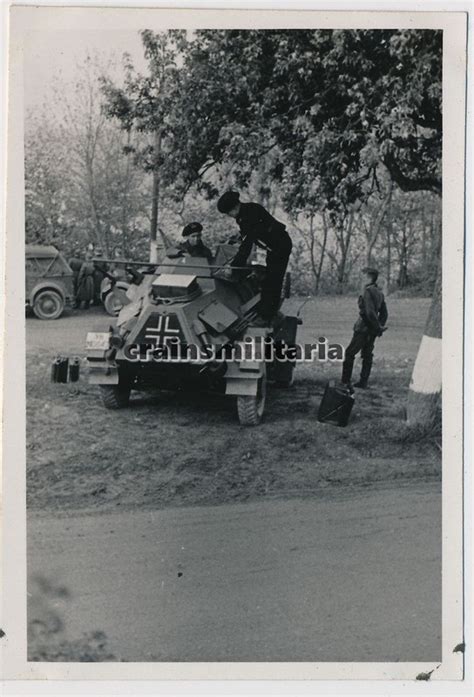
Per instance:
(48,54)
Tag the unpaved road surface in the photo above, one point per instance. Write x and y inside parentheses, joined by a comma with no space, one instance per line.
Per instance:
(356,577)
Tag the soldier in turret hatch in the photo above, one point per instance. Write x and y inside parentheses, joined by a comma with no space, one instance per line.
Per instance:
(258,227)
(193,245)
(371,324)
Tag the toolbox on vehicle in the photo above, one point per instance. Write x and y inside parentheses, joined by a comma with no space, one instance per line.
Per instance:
(336,404)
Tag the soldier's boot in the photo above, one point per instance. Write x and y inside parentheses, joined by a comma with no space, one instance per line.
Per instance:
(361,384)
(347,370)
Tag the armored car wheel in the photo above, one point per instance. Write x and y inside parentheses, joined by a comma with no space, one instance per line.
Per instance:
(115,396)
(250,408)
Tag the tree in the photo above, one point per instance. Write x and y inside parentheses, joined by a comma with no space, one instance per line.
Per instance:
(45,170)
(425,386)
(315,239)
(77,173)
(334,103)
(143,105)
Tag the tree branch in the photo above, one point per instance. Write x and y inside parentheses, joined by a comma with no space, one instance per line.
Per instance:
(411,183)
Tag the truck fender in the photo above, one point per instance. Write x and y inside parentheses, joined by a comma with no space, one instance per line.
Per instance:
(46,285)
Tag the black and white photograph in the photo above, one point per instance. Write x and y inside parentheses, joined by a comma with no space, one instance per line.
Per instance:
(239,334)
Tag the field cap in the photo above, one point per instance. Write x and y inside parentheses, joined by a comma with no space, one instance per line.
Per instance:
(228,201)
(191,228)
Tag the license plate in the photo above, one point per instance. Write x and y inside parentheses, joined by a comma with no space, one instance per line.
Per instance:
(98,341)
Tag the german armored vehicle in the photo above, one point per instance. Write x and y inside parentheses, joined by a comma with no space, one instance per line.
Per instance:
(186,327)
(49,281)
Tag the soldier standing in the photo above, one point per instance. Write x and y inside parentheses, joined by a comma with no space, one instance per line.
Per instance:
(98,278)
(75,262)
(371,324)
(85,285)
(258,227)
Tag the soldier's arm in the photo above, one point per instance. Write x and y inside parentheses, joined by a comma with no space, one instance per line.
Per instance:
(383,314)
(243,251)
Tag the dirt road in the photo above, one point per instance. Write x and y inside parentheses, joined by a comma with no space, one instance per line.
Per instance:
(354,578)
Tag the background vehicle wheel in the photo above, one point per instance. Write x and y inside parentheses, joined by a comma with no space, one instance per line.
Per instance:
(249,408)
(113,304)
(48,304)
(115,396)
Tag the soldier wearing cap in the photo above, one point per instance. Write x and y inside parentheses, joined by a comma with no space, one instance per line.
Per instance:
(193,245)
(258,227)
(98,277)
(75,262)
(85,282)
(371,324)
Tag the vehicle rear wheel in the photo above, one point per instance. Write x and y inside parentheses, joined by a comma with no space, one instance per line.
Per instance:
(250,408)
(115,396)
(48,304)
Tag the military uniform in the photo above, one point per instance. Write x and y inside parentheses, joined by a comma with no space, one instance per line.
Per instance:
(372,318)
(75,263)
(99,276)
(258,227)
(196,250)
(85,290)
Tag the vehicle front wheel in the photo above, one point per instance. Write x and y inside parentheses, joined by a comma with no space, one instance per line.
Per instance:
(115,396)
(48,304)
(250,408)
(112,303)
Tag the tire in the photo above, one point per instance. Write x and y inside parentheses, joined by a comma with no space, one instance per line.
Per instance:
(249,408)
(112,304)
(284,375)
(115,396)
(48,304)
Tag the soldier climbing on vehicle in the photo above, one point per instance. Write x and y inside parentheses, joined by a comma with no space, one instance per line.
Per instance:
(258,227)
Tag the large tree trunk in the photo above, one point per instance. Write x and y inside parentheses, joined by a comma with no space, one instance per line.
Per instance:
(424,396)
